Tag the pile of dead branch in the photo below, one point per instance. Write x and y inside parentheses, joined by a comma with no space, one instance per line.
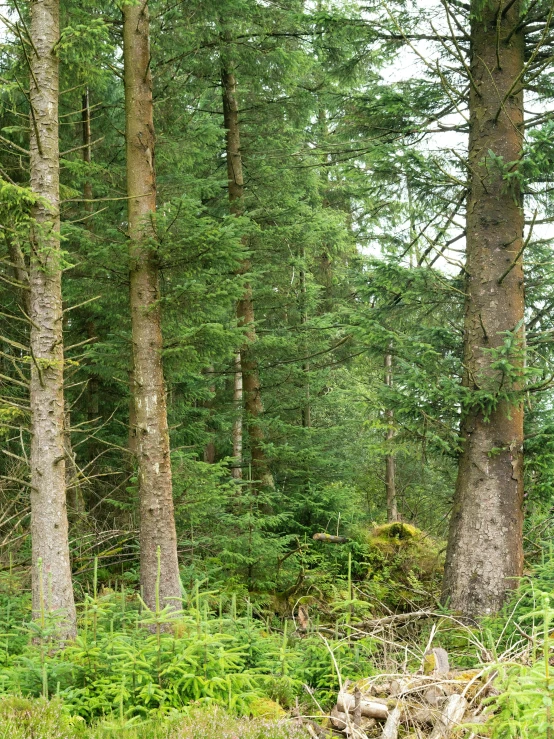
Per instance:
(394,706)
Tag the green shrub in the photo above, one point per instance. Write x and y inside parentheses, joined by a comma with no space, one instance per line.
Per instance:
(128,663)
(524,707)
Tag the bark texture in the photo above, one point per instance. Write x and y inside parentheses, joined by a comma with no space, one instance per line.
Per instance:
(87,150)
(209,449)
(20,271)
(245,307)
(52,586)
(157,522)
(237,425)
(306,408)
(390,466)
(484,552)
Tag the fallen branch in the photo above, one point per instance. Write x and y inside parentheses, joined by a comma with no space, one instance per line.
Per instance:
(390,729)
(346,703)
(330,539)
(453,713)
(395,618)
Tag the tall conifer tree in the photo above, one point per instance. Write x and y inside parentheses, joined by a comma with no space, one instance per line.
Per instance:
(52,586)
(250,388)
(157,522)
(485,547)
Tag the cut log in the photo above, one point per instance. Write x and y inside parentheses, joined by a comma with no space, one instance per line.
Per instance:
(390,729)
(434,695)
(375,708)
(330,539)
(398,687)
(424,716)
(338,719)
(435,662)
(403,685)
(357,707)
(449,720)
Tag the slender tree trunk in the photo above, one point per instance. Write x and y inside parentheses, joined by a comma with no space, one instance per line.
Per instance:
(52,586)
(390,466)
(209,449)
(21,273)
(157,522)
(74,493)
(245,306)
(87,148)
(484,552)
(92,398)
(325,261)
(252,393)
(92,385)
(306,409)
(75,498)
(132,436)
(237,424)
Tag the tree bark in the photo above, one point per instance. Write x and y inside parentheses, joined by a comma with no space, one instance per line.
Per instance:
(21,273)
(237,424)
(306,408)
(209,449)
(157,522)
(87,150)
(484,552)
(92,396)
(51,580)
(74,493)
(245,307)
(390,466)
(92,393)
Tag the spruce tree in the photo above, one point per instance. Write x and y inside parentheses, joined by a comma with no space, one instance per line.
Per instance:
(52,584)
(159,567)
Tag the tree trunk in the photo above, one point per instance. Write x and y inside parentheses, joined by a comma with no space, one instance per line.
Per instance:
(92,393)
(52,586)
(87,149)
(157,522)
(21,273)
(74,493)
(92,396)
(245,306)
(390,466)
(237,424)
(306,409)
(209,449)
(484,552)
(251,391)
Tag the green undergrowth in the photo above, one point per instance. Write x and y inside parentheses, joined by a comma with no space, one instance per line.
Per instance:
(226,663)
(130,663)
(524,705)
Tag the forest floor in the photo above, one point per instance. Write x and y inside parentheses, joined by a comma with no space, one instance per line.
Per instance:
(22,718)
(380,659)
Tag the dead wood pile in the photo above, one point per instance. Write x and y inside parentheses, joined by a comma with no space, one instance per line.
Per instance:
(395,706)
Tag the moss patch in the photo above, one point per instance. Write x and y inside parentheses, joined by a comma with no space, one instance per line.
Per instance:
(405,565)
